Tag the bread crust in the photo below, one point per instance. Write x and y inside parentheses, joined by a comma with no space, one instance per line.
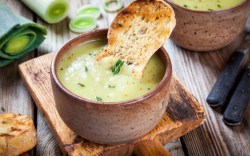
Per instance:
(17,134)
(138,31)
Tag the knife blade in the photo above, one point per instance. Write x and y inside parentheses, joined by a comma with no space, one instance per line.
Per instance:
(237,105)
(226,82)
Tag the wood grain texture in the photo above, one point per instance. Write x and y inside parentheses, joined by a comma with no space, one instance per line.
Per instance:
(46,142)
(183,113)
(57,35)
(149,148)
(175,148)
(13,94)
(197,71)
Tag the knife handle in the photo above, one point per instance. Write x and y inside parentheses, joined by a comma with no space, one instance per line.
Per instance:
(220,91)
(237,106)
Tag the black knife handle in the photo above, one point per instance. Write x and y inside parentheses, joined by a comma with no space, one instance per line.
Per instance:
(237,106)
(219,93)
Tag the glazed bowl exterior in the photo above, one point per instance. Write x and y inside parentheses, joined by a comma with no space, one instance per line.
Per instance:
(208,30)
(104,122)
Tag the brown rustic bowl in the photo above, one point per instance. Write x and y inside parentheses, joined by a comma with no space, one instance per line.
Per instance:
(106,122)
(208,30)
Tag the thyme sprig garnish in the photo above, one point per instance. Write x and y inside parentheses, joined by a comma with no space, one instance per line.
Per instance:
(110,86)
(116,68)
(80,84)
(99,99)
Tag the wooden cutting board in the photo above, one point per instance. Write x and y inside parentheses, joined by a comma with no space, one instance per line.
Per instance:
(183,114)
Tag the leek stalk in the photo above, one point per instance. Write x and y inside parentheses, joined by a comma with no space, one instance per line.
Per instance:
(51,11)
(18,36)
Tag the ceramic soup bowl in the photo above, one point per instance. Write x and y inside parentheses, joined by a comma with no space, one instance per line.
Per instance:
(208,30)
(106,122)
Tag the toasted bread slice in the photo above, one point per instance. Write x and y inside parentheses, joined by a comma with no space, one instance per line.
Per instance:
(138,31)
(17,134)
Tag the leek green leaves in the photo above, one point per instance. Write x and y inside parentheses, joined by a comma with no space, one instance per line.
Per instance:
(18,36)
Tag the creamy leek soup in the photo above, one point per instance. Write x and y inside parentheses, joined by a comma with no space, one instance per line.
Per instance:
(80,73)
(208,5)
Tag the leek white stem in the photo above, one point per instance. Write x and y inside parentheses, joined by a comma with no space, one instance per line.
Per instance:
(51,11)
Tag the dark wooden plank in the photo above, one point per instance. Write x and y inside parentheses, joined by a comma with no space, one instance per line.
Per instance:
(14,96)
(199,72)
(175,148)
(46,143)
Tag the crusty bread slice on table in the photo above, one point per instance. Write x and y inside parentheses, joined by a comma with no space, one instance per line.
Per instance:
(17,134)
(138,31)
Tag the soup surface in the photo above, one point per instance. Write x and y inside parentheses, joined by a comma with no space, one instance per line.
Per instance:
(208,5)
(80,73)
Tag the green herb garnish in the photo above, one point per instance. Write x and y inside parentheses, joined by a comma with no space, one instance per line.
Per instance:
(185,5)
(90,54)
(111,86)
(82,85)
(218,5)
(99,99)
(117,66)
(86,69)
(210,10)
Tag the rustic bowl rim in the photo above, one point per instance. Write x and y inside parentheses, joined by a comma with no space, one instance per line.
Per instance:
(166,78)
(209,12)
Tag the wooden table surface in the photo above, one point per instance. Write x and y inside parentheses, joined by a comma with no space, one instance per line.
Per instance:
(198,71)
